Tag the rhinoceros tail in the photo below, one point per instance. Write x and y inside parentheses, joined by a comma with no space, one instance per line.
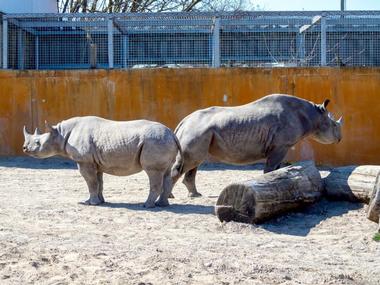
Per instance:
(178,165)
(179,126)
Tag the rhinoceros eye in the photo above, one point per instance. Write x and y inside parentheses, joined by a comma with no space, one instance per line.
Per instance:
(37,142)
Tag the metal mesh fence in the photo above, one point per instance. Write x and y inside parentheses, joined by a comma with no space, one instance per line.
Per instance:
(68,41)
(1,40)
(261,40)
(160,39)
(353,41)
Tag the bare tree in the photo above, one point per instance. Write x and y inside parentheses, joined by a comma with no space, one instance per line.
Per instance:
(134,6)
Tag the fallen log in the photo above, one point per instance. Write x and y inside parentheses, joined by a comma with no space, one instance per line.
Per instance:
(356,184)
(351,183)
(271,194)
(373,211)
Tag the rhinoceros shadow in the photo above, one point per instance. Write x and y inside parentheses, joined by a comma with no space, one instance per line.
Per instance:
(300,223)
(212,166)
(173,208)
(62,163)
(35,163)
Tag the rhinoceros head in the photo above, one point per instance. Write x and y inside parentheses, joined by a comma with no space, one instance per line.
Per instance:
(328,130)
(42,145)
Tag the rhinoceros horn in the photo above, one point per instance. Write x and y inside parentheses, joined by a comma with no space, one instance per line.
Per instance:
(340,121)
(25,132)
(37,132)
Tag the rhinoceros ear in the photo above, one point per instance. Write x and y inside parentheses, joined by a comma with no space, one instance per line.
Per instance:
(48,127)
(325,103)
(323,107)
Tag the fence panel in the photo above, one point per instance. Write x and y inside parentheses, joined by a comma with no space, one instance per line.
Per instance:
(1,40)
(245,39)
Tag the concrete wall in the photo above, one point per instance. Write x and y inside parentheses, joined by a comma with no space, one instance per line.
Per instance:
(168,95)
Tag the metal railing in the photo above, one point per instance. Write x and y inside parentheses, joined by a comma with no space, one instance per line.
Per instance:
(1,40)
(68,41)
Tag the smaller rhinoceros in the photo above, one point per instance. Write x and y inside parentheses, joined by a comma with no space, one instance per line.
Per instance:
(118,148)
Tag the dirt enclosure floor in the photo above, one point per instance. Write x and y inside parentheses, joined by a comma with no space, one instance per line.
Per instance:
(46,237)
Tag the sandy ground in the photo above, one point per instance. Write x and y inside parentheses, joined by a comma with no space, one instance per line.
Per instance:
(46,237)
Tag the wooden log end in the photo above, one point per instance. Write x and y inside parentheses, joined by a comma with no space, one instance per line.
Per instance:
(373,211)
(351,183)
(236,203)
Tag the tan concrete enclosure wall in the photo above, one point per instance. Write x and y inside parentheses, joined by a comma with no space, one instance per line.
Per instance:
(168,95)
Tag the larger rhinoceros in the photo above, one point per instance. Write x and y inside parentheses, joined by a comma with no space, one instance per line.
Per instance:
(265,128)
(118,148)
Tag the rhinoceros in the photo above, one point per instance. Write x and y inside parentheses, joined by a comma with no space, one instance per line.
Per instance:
(265,128)
(113,147)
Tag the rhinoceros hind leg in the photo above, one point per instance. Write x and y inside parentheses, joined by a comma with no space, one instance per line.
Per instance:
(100,187)
(167,185)
(275,158)
(171,196)
(189,181)
(156,183)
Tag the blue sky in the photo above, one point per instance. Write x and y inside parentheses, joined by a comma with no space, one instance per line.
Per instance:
(299,5)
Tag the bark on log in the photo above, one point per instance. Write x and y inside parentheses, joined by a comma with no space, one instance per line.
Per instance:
(351,183)
(373,211)
(271,194)
(356,184)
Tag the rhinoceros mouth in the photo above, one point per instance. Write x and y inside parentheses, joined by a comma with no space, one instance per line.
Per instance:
(31,153)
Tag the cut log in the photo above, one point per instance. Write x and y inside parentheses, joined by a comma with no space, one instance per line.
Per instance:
(351,183)
(271,194)
(373,211)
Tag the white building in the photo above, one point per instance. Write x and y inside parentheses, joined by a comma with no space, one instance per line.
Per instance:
(28,6)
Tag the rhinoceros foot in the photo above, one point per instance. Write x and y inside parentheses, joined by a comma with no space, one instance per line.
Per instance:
(161,203)
(194,194)
(92,201)
(149,205)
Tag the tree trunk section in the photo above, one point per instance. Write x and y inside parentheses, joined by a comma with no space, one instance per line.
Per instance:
(351,183)
(271,194)
(373,211)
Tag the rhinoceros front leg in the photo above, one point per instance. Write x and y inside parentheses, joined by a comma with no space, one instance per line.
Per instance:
(275,158)
(189,181)
(156,184)
(90,175)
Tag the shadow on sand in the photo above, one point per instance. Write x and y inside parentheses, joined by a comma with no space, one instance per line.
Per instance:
(297,223)
(35,163)
(62,163)
(211,166)
(184,209)
(300,223)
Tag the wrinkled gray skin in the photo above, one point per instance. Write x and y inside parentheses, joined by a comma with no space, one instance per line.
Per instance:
(118,148)
(265,128)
